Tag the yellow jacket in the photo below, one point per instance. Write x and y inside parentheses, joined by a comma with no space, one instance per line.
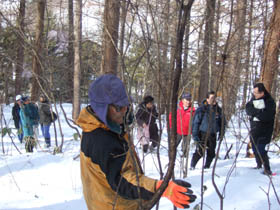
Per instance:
(109,168)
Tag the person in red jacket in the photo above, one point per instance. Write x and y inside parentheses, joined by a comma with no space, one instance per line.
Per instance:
(184,112)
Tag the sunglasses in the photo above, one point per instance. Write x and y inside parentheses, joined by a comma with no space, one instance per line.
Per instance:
(118,108)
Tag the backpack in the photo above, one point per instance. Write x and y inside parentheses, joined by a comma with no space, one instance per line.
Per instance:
(53,117)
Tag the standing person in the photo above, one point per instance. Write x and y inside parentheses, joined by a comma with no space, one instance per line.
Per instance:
(16,117)
(184,115)
(27,117)
(208,121)
(261,110)
(111,175)
(45,119)
(147,127)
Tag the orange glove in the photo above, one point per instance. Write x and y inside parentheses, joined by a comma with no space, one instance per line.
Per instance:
(178,193)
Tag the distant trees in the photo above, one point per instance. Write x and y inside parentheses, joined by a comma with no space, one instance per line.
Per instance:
(228,45)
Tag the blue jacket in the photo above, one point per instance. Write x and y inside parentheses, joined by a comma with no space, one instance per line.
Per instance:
(27,123)
(208,118)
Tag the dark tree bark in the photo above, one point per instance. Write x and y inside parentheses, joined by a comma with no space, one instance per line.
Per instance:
(110,37)
(77,59)
(37,57)
(20,50)
(271,52)
(70,69)
(207,52)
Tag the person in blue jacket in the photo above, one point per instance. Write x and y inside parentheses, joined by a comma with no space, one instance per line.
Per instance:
(28,117)
(208,121)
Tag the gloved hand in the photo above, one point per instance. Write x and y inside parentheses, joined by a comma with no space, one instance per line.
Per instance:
(259,104)
(196,139)
(178,193)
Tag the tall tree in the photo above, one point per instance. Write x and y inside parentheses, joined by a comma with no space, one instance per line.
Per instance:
(70,69)
(110,37)
(271,50)
(77,58)
(36,61)
(207,49)
(20,48)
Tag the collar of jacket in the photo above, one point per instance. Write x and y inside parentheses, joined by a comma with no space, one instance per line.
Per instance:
(88,121)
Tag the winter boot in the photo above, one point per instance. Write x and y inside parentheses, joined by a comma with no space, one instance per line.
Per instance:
(208,162)
(266,165)
(48,142)
(145,148)
(29,144)
(258,161)
(194,161)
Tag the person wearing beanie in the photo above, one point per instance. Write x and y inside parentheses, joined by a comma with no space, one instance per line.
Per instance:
(16,118)
(111,173)
(185,113)
(147,127)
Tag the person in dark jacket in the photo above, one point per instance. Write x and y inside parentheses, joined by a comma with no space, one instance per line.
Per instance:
(45,119)
(261,110)
(146,119)
(16,117)
(208,121)
(111,173)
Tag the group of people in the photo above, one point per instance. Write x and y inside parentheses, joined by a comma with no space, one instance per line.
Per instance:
(111,172)
(27,116)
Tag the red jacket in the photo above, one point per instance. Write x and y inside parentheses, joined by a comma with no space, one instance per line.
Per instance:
(185,115)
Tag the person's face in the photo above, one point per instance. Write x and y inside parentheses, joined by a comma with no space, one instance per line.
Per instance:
(18,102)
(257,94)
(149,105)
(186,103)
(116,113)
(211,100)
(41,99)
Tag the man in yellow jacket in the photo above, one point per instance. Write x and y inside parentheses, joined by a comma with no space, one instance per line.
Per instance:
(111,173)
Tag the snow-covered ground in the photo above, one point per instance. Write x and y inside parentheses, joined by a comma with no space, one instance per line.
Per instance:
(43,181)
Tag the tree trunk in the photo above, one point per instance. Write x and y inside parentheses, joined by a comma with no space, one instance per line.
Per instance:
(77,58)
(70,69)
(207,54)
(36,62)
(271,50)
(121,65)
(248,55)
(20,50)
(110,37)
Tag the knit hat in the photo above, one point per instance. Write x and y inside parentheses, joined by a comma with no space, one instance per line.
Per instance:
(107,89)
(187,96)
(148,99)
(24,98)
(18,97)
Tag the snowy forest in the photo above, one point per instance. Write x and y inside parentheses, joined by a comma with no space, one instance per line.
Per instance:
(162,48)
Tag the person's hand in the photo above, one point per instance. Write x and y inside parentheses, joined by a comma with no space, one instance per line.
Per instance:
(196,139)
(178,193)
(259,104)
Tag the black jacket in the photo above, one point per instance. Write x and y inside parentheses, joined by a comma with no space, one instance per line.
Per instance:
(208,118)
(15,113)
(262,120)
(145,115)
(45,113)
